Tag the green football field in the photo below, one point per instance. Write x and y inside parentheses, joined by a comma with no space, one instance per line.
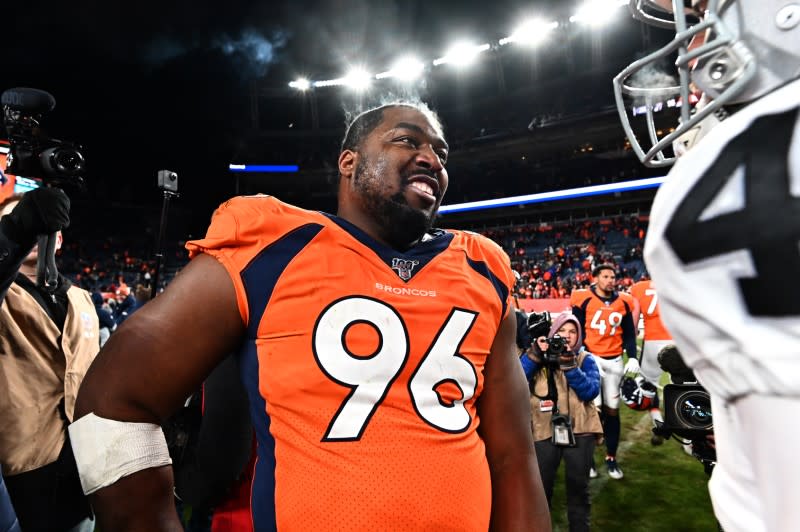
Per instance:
(664,489)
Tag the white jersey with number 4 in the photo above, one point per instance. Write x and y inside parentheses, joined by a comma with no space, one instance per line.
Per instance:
(724,249)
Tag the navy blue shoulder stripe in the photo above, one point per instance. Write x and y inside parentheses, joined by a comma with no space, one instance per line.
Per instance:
(262,496)
(262,274)
(499,287)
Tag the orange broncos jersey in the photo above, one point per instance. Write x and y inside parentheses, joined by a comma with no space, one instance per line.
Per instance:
(645,293)
(608,324)
(363,366)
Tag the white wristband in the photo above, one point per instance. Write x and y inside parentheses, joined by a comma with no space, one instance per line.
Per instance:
(107,450)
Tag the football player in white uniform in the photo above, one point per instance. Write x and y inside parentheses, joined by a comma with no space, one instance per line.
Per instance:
(725,234)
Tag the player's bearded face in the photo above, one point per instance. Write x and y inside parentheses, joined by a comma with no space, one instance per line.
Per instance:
(386,201)
(606,280)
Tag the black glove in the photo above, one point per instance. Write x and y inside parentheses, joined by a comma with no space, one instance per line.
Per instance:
(41,211)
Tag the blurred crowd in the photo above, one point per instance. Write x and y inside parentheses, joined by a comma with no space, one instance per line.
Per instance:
(552,259)
(119,273)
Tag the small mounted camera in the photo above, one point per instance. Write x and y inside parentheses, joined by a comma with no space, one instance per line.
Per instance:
(168,180)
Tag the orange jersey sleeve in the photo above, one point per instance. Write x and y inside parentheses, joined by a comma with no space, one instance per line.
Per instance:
(363,366)
(645,293)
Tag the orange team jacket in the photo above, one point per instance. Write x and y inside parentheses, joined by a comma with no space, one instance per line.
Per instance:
(363,365)
(607,322)
(645,293)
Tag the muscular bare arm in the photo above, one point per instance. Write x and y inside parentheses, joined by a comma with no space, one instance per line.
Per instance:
(149,366)
(518,499)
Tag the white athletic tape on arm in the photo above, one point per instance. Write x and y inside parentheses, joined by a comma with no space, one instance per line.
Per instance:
(107,450)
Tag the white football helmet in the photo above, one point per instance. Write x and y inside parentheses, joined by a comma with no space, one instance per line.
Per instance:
(749,48)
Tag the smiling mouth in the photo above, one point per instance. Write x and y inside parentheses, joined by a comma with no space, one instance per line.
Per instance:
(423,187)
(424,192)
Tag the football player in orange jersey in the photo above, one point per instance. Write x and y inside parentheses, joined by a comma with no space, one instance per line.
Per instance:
(606,316)
(656,337)
(377,352)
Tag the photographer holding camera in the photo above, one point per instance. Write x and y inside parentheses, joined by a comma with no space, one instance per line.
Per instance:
(563,379)
(48,339)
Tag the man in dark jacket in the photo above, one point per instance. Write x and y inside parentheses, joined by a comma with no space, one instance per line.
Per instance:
(126,304)
(107,323)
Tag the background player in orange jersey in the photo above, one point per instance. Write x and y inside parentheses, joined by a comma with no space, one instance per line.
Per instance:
(377,353)
(606,316)
(656,337)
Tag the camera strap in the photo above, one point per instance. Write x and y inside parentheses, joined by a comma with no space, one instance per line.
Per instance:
(46,270)
(552,390)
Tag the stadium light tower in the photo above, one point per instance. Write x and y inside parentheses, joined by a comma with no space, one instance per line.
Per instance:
(531,32)
(406,69)
(597,12)
(462,54)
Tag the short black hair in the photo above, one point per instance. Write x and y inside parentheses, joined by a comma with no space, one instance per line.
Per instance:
(599,268)
(364,123)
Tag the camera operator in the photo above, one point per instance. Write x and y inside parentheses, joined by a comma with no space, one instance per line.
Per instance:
(564,379)
(48,339)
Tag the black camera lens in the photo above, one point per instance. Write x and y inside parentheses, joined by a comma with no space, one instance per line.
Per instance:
(66,161)
(557,345)
(693,409)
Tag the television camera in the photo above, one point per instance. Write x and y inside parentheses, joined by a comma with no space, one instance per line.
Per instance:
(687,408)
(33,154)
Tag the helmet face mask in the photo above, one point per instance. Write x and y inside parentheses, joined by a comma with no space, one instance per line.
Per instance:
(638,394)
(746,49)
(660,13)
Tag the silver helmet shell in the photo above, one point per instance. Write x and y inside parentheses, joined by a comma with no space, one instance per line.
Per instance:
(749,48)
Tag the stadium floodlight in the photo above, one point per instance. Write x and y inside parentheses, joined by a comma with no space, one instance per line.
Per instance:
(531,32)
(462,54)
(358,79)
(301,84)
(597,12)
(405,69)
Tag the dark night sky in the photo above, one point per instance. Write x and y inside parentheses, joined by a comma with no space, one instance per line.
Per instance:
(148,85)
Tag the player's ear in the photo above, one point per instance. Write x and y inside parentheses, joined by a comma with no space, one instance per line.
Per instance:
(347,163)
